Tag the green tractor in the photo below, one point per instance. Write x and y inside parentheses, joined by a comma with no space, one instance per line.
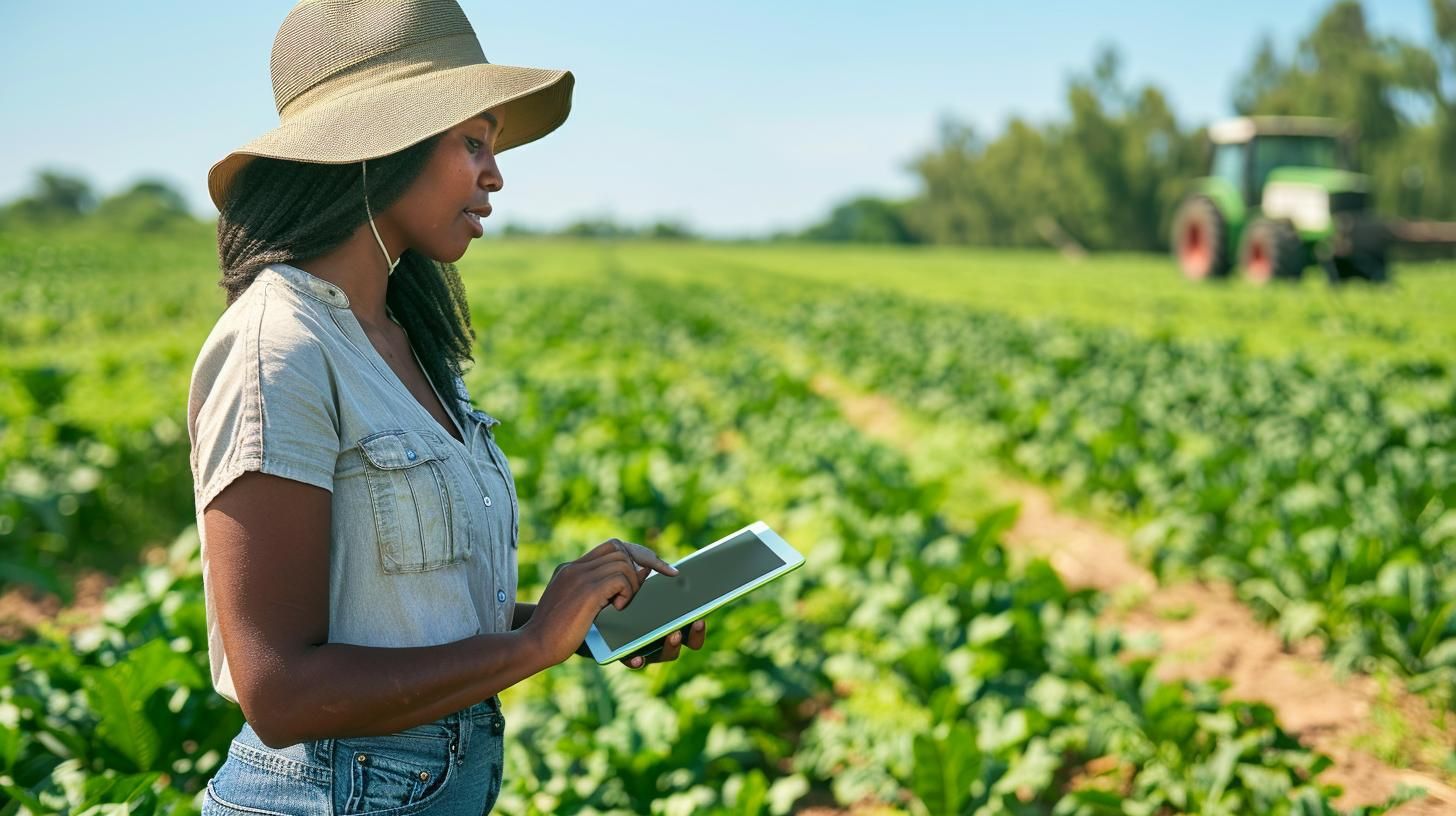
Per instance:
(1282,193)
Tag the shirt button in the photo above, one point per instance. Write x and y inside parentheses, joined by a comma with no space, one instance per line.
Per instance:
(487,501)
(410,454)
(500,595)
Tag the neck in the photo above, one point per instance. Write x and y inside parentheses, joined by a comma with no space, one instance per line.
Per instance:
(360,270)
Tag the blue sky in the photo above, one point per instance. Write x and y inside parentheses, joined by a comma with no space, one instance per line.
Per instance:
(736,117)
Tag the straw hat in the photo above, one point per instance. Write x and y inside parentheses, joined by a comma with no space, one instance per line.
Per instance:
(361,79)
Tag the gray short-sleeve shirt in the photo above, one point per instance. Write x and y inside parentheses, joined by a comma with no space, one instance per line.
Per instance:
(423,532)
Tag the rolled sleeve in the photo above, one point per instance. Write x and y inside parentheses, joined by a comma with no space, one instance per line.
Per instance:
(262,400)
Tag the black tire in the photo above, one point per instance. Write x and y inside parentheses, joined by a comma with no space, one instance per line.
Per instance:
(1271,250)
(1364,240)
(1199,239)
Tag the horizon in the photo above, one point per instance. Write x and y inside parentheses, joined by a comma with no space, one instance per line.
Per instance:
(684,132)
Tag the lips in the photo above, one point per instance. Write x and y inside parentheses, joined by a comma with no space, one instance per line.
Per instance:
(477,214)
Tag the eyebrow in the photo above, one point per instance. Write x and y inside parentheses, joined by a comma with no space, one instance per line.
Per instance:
(489,117)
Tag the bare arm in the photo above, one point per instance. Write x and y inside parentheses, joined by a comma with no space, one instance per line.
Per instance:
(268,548)
(522,616)
(268,571)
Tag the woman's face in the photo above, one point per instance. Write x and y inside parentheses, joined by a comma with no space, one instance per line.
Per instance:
(430,217)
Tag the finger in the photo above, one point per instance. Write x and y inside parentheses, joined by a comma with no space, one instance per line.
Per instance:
(606,547)
(671,649)
(620,566)
(609,550)
(623,557)
(639,660)
(613,585)
(697,634)
(647,557)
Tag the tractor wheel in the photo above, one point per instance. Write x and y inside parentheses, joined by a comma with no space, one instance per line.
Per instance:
(1372,267)
(1200,239)
(1271,250)
(1364,241)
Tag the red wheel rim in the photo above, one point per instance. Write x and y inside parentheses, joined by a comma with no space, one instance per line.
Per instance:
(1194,254)
(1259,264)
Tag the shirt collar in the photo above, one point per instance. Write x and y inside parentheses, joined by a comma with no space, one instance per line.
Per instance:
(307,284)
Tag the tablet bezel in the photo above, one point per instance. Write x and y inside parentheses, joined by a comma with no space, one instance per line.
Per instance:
(791,557)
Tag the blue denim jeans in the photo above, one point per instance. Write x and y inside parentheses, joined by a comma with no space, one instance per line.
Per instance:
(449,767)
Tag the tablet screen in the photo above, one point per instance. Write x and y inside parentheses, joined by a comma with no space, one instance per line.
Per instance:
(710,574)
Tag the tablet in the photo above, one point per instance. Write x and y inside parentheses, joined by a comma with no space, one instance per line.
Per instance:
(706,579)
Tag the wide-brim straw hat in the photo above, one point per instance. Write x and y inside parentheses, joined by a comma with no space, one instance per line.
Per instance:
(361,79)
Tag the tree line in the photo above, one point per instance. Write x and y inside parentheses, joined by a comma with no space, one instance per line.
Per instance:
(58,199)
(1106,176)
(1110,173)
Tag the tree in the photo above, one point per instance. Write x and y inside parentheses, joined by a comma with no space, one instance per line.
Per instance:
(57,198)
(1395,92)
(865,219)
(148,206)
(669,230)
(1109,176)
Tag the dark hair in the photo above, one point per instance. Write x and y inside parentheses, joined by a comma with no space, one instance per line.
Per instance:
(281,211)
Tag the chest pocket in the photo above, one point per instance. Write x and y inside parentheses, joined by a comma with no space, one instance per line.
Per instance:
(418,516)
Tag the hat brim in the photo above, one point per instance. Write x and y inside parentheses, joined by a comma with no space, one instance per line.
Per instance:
(385,119)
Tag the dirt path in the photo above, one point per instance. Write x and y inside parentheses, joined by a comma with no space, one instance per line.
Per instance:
(1206,632)
(24,608)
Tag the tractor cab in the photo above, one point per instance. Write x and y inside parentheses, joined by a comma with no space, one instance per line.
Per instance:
(1245,151)
(1280,193)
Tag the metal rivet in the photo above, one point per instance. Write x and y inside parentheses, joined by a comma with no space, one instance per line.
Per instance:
(424,776)
(410,455)
(362,758)
(452,747)
(487,501)
(500,595)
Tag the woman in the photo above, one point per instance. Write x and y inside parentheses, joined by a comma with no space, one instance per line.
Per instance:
(358,520)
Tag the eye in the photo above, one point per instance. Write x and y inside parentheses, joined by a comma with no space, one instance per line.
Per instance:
(475,144)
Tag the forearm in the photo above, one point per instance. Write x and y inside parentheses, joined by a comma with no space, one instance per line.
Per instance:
(344,690)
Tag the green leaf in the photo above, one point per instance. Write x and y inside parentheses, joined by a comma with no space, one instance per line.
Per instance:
(945,768)
(119,696)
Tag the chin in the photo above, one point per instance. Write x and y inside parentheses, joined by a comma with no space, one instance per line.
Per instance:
(455,256)
(448,255)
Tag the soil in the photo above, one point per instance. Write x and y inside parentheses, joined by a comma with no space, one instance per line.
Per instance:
(1205,632)
(24,608)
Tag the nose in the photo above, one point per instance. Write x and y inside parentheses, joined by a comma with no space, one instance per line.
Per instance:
(490,176)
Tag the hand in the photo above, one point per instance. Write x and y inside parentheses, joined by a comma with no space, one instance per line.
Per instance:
(671,645)
(611,573)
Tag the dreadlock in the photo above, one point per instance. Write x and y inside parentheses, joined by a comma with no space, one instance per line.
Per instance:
(279,211)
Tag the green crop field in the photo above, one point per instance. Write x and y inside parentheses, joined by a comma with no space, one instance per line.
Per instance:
(1298,442)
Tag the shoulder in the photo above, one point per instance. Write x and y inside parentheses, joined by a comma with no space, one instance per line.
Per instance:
(262,395)
(269,326)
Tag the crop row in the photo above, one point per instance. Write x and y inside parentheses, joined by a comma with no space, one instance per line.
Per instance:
(1324,491)
(907,662)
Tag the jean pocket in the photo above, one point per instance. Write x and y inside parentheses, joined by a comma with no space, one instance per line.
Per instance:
(215,805)
(418,520)
(381,774)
